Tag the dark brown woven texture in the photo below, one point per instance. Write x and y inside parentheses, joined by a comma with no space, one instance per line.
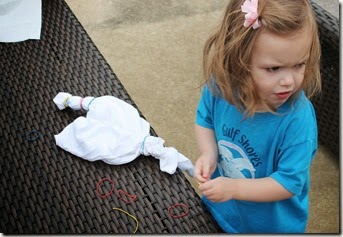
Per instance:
(327,104)
(47,190)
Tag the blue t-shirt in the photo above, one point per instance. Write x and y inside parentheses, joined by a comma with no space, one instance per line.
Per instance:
(280,146)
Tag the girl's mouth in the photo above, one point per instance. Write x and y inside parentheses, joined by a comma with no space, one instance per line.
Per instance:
(283,95)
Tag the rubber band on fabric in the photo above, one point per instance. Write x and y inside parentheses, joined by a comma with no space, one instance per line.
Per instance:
(81,103)
(142,146)
(65,102)
(178,205)
(33,135)
(132,197)
(107,194)
(90,102)
(133,217)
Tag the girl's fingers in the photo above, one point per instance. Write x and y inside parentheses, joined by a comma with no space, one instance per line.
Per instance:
(204,187)
(200,179)
(199,173)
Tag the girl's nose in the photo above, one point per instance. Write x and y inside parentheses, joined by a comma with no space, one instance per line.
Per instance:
(287,79)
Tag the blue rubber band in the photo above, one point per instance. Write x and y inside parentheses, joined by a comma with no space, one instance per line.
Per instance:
(35,137)
(142,146)
(90,102)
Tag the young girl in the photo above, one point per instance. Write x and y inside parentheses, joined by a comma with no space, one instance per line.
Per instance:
(255,128)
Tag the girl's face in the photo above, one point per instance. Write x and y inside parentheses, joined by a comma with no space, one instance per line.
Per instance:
(278,65)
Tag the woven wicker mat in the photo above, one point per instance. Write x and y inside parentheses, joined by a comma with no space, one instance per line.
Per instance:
(47,190)
(327,104)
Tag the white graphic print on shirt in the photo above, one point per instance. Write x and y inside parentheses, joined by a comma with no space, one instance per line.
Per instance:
(233,162)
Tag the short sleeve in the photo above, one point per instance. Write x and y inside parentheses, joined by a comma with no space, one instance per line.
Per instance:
(294,167)
(297,152)
(204,114)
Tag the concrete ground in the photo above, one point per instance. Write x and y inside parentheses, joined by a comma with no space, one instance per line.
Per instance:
(155,49)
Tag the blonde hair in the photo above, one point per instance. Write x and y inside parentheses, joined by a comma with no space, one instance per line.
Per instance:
(227,52)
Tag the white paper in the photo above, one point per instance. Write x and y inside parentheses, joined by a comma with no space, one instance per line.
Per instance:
(20,20)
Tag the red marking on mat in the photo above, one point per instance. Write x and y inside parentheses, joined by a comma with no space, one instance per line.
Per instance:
(107,194)
(131,197)
(178,205)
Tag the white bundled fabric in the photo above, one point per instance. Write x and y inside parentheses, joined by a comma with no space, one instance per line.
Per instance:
(114,132)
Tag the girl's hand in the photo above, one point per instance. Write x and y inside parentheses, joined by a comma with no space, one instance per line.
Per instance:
(204,168)
(253,190)
(219,189)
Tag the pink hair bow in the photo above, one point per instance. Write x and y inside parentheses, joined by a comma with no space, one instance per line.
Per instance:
(251,17)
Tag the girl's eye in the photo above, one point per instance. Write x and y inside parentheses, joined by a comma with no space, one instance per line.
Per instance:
(272,69)
(300,65)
